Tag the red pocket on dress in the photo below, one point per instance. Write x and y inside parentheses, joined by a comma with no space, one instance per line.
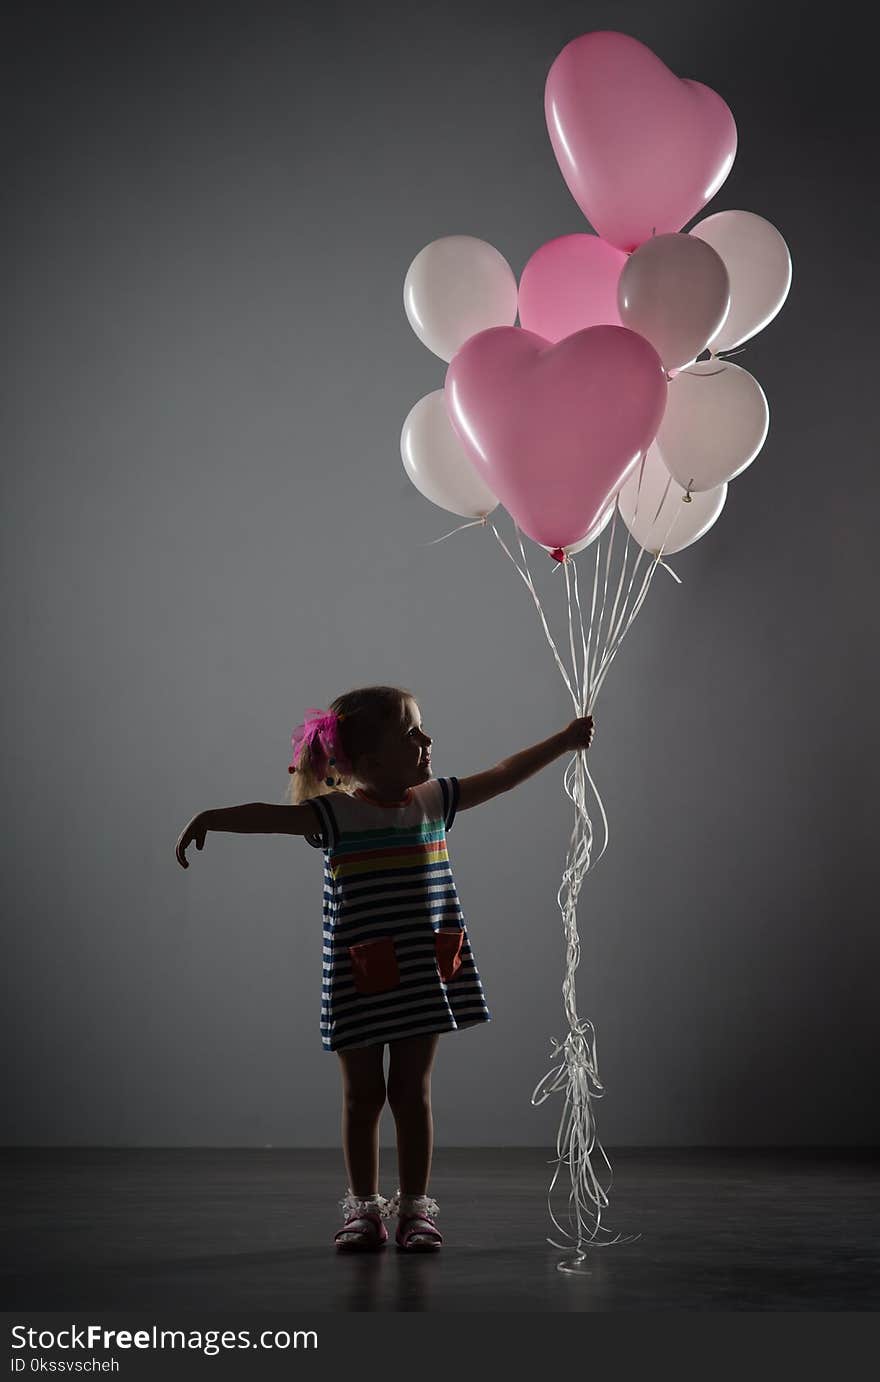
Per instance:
(374,965)
(447,943)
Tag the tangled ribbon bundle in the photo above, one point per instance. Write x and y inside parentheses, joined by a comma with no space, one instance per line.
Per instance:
(320,733)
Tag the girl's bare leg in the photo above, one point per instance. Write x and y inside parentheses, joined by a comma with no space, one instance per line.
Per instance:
(363,1098)
(409,1094)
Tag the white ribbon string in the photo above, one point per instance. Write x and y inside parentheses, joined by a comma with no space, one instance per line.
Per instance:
(577,599)
(477,523)
(578,679)
(604,592)
(668,568)
(575,1071)
(595,592)
(613,644)
(534,595)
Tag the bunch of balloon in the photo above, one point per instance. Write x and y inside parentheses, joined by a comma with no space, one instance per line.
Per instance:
(611,406)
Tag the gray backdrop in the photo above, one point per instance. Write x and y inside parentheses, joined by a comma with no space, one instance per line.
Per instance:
(208,529)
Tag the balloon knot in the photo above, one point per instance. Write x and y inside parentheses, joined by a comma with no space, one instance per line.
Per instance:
(558,555)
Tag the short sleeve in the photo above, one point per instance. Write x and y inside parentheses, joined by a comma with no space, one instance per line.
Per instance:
(328,835)
(449,789)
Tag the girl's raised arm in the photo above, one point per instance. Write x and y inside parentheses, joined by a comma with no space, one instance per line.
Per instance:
(472,791)
(256,818)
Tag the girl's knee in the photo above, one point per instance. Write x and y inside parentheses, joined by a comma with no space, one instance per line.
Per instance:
(409,1097)
(366,1103)
(409,1072)
(363,1082)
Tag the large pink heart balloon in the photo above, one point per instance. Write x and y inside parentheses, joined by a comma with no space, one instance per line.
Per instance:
(641,149)
(554,430)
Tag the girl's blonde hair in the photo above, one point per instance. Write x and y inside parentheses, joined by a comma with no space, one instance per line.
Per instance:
(367,711)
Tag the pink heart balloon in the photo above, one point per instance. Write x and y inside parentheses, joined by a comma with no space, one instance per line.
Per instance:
(554,430)
(570,284)
(640,149)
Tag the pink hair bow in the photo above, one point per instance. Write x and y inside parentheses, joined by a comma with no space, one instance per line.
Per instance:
(320,731)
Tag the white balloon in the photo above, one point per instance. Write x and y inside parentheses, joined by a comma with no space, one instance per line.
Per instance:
(456,287)
(438,465)
(675,295)
(715,424)
(598,527)
(758,264)
(657,514)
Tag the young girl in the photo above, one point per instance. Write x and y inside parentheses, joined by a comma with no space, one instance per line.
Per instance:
(398,965)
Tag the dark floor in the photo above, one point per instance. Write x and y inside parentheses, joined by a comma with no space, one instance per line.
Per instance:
(252,1230)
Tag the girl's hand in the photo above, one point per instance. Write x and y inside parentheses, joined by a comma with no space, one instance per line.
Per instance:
(579,734)
(196,830)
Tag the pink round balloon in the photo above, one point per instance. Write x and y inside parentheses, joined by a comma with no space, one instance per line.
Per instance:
(570,284)
(554,430)
(640,149)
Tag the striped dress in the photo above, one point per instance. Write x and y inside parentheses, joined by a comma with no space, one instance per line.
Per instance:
(397,958)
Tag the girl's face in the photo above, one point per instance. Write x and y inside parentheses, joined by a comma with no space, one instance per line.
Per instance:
(406,755)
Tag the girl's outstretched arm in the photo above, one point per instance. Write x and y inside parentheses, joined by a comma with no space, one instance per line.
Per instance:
(511,771)
(256,818)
